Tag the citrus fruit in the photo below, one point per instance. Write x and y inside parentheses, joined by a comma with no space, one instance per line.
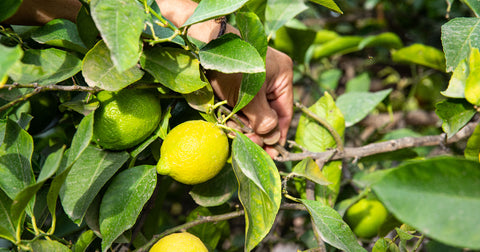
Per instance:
(179,242)
(193,152)
(125,118)
(366,217)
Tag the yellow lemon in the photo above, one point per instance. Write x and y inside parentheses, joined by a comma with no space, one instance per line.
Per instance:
(125,118)
(179,242)
(193,152)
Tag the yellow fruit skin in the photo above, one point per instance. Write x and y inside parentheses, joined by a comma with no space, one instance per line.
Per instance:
(179,242)
(193,152)
(125,118)
(366,217)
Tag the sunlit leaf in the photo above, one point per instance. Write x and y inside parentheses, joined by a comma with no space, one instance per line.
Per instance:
(213,8)
(10,55)
(455,113)
(421,55)
(307,168)
(472,151)
(48,245)
(279,12)
(386,39)
(329,4)
(456,86)
(472,87)
(60,33)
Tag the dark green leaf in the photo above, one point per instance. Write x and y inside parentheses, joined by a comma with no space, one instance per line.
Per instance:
(230,54)
(331,227)
(201,99)
(456,86)
(10,55)
(8,225)
(294,38)
(124,200)
(387,39)
(60,33)
(458,36)
(48,245)
(340,45)
(279,12)
(152,28)
(439,197)
(81,139)
(175,68)
(99,70)
(455,113)
(473,5)
(214,8)
(472,151)
(120,23)
(259,188)
(8,8)
(216,191)
(329,4)
(87,176)
(356,105)
(307,168)
(422,55)
(87,30)
(472,87)
(208,232)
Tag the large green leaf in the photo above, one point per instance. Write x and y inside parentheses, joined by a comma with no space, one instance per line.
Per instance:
(175,68)
(230,54)
(439,197)
(472,87)
(8,8)
(279,12)
(48,245)
(99,70)
(214,8)
(60,33)
(332,229)
(472,151)
(329,4)
(87,176)
(10,55)
(46,66)
(458,36)
(15,160)
(124,200)
(456,85)
(421,55)
(120,23)
(356,105)
(455,113)
(216,191)
(8,225)
(259,188)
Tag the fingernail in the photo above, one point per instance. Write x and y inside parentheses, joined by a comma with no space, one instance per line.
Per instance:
(272,137)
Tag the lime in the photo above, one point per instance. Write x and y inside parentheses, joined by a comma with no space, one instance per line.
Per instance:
(179,242)
(125,118)
(366,217)
(193,152)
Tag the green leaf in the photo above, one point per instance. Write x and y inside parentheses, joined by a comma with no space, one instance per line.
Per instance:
(259,188)
(472,87)
(386,39)
(472,151)
(60,33)
(340,45)
(329,4)
(201,99)
(279,12)
(175,68)
(332,229)
(99,70)
(85,239)
(294,39)
(456,86)
(230,54)
(46,66)
(48,245)
(473,5)
(8,225)
(212,9)
(308,169)
(124,200)
(15,160)
(87,31)
(327,195)
(120,23)
(209,232)
(458,36)
(422,55)
(328,80)
(356,105)
(455,113)
(438,197)
(8,8)
(10,55)
(216,191)
(360,83)
(81,139)
(160,32)
(87,176)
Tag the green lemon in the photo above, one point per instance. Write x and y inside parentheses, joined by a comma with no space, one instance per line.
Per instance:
(366,217)
(125,118)
(179,242)
(193,152)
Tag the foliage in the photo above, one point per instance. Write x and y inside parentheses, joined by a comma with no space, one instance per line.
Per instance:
(60,191)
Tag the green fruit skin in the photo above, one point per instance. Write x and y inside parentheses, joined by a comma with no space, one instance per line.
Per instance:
(366,217)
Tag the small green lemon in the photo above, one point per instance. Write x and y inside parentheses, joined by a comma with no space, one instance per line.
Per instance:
(193,152)
(125,118)
(179,242)
(366,217)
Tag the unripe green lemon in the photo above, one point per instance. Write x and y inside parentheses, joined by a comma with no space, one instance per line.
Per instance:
(193,152)
(366,217)
(179,242)
(125,118)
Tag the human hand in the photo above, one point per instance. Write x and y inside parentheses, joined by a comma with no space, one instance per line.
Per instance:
(270,112)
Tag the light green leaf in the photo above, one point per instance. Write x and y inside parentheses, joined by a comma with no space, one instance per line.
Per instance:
(10,55)
(279,12)
(307,168)
(456,86)
(472,85)
(87,176)
(216,191)
(386,39)
(458,36)
(455,113)
(124,200)
(356,105)
(8,225)
(230,54)
(60,33)
(360,83)
(329,4)
(474,5)
(438,197)
(340,45)
(472,151)
(48,245)
(99,70)
(201,99)
(332,229)
(120,23)
(85,239)
(422,55)
(213,8)
(175,68)
(294,39)
(8,7)
(259,188)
